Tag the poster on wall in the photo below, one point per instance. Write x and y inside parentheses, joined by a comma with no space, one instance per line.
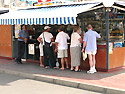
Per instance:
(17,28)
(31,49)
(117,44)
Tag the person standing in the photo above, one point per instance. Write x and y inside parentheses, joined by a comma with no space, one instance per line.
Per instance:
(61,45)
(91,47)
(75,50)
(46,39)
(41,50)
(22,40)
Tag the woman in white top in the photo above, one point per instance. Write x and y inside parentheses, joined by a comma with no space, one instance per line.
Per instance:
(75,50)
(41,51)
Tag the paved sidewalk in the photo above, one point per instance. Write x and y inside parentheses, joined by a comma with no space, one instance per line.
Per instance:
(104,82)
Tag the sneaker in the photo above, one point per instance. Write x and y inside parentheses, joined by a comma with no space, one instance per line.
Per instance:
(90,71)
(94,70)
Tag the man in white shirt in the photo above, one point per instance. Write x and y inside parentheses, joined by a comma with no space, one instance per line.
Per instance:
(61,44)
(46,39)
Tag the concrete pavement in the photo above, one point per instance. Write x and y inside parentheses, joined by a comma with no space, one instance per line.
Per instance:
(103,82)
(10,84)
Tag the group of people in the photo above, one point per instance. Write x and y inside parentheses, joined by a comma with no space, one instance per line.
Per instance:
(47,56)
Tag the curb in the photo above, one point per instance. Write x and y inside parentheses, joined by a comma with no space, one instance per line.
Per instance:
(90,87)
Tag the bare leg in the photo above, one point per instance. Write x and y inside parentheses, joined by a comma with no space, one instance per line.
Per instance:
(90,60)
(66,60)
(76,68)
(94,62)
(41,61)
(93,59)
(62,63)
(72,68)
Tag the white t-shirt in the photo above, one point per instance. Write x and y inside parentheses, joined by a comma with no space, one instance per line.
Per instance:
(74,40)
(47,37)
(62,38)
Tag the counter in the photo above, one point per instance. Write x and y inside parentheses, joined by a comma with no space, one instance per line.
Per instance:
(116,58)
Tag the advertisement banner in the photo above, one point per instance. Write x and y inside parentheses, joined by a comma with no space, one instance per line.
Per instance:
(17,28)
(117,44)
(110,48)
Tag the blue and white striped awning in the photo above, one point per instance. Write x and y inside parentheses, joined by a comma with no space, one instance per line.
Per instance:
(46,15)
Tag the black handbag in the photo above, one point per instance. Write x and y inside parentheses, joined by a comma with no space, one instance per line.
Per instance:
(46,43)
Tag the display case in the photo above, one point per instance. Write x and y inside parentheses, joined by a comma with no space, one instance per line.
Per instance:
(98,22)
(97,18)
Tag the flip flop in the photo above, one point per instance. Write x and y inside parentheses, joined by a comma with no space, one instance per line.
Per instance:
(41,65)
(77,70)
(61,69)
(72,70)
(46,67)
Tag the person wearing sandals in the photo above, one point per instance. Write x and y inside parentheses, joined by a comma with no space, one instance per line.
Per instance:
(41,50)
(91,47)
(75,49)
(61,45)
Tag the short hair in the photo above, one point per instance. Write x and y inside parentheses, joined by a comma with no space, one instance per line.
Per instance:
(61,28)
(24,26)
(75,28)
(89,26)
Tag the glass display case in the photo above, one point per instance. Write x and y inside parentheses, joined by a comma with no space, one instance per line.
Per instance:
(98,22)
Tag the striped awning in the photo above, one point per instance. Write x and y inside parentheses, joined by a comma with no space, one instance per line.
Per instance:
(65,14)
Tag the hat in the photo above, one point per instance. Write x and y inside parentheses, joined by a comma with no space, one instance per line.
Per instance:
(46,27)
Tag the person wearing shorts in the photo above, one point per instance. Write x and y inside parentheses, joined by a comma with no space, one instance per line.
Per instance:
(41,54)
(61,44)
(90,46)
(41,50)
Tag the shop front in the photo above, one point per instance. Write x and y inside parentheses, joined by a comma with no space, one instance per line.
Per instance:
(111,46)
(111,50)
(36,18)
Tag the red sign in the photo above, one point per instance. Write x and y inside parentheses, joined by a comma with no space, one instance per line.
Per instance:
(42,1)
(39,0)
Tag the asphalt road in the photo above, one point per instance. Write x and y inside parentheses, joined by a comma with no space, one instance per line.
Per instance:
(10,84)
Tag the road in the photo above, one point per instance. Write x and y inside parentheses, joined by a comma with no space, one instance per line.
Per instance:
(10,84)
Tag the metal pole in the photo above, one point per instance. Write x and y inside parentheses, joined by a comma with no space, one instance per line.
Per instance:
(124,29)
(12,28)
(82,29)
(107,38)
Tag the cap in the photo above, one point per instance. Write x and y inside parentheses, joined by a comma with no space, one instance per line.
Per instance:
(46,27)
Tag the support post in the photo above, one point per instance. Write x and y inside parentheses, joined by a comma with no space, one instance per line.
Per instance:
(124,30)
(82,29)
(12,29)
(107,38)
